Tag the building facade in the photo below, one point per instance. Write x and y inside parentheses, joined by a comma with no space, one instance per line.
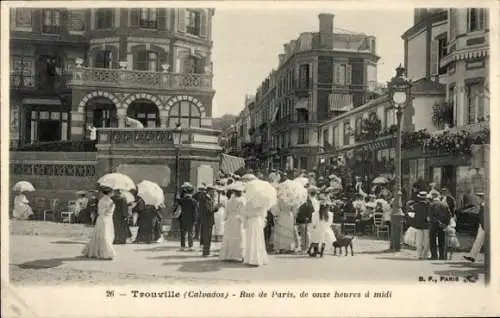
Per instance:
(446,57)
(319,75)
(73,69)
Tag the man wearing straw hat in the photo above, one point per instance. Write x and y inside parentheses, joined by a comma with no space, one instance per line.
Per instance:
(304,216)
(420,222)
(197,225)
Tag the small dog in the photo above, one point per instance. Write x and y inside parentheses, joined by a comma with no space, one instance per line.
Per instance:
(342,241)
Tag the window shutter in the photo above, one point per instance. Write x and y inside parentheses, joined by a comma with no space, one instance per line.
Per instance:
(140,60)
(200,65)
(434,62)
(336,73)
(181,20)
(162,19)
(348,74)
(203,23)
(135,16)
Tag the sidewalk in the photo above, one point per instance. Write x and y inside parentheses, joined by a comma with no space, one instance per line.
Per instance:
(43,255)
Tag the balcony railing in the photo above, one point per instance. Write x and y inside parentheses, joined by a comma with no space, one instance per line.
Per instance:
(31,82)
(155,137)
(296,119)
(140,79)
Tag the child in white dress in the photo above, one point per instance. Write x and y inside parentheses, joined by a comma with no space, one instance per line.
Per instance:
(321,223)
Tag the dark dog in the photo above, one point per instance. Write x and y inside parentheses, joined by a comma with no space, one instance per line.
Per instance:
(342,241)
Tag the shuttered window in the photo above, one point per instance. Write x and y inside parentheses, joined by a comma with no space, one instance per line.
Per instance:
(104,59)
(475,19)
(193,22)
(193,65)
(146,61)
(434,62)
(51,21)
(149,18)
(104,18)
(342,74)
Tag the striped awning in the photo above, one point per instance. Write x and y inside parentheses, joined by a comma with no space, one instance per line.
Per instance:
(229,164)
(466,54)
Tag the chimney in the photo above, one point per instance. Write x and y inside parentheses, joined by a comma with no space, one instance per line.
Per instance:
(281,58)
(286,48)
(326,30)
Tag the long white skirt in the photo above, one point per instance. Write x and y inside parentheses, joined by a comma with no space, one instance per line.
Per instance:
(410,237)
(101,239)
(284,237)
(232,243)
(255,245)
(219,222)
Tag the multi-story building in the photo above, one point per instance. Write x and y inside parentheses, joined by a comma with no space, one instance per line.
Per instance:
(446,57)
(319,75)
(71,69)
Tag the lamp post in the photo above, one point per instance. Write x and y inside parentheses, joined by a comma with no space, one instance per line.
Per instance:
(177,138)
(400,93)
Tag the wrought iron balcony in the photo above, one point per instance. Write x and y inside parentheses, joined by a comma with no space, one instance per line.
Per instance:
(104,77)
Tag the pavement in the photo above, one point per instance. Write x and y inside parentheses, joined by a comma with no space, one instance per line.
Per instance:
(44,258)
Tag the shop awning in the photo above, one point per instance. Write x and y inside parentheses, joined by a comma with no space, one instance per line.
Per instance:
(229,164)
(302,103)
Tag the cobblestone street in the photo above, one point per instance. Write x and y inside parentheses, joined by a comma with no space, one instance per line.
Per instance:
(40,259)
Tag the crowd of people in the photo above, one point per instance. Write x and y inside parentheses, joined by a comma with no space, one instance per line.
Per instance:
(221,212)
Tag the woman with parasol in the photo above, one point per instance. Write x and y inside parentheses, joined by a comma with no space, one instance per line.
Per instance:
(22,209)
(149,197)
(100,244)
(260,196)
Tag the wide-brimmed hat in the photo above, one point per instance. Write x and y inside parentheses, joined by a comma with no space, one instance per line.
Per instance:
(236,186)
(248,177)
(422,195)
(81,192)
(213,187)
(433,194)
(371,205)
(480,194)
(187,185)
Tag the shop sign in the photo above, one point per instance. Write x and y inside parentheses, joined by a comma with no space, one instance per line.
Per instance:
(377,145)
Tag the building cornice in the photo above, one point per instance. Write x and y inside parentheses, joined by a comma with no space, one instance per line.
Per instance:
(371,104)
(424,23)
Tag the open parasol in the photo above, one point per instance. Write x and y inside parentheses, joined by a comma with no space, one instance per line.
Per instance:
(380,180)
(23,186)
(117,181)
(260,196)
(291,194)
(151,193)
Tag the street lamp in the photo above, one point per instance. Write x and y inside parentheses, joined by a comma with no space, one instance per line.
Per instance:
(177,138)
(400,93)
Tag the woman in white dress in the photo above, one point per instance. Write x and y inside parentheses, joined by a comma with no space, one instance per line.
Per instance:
(219,217)
(232,243)
(101,240)
(321,224)
(284,237)
(254,251)
(22,210)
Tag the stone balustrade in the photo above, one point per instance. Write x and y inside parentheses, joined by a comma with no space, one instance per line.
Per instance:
(103,77)
(156,137)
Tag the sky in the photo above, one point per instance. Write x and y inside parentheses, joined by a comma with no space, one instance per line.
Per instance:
(247,43)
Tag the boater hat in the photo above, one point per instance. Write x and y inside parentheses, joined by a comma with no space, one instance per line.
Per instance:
(236,186)
(422,195)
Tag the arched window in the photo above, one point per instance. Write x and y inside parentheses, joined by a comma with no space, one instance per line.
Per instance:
(184,113)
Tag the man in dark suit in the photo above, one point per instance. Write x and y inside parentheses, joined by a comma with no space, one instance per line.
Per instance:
(439,218)
(481,234)
(303,219)
(421,224)
(197,225)
(189,212)
(207,208)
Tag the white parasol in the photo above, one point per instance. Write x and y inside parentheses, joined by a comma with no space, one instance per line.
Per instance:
(260,196)
(380,180)
(249,177)
(129,197)
(302,180)
(291,194)
(23,186)
(151,193)
(117,181)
